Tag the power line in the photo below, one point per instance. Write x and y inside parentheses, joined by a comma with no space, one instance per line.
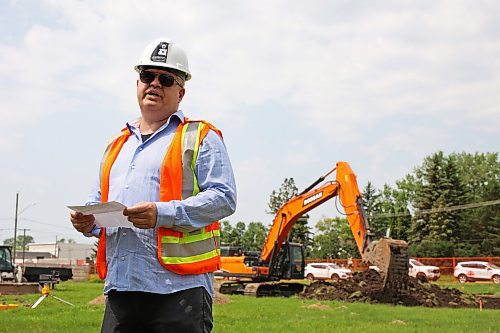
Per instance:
(44,231)
(44,223)
(438,210)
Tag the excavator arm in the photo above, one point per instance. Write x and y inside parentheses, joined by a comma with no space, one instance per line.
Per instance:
(390,256)
(345,186)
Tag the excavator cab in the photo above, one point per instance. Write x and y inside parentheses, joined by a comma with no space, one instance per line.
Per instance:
(6,266)
(289,263)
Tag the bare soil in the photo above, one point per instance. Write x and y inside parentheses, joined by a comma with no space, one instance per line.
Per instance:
(366,287)
(219,298)
(101,299)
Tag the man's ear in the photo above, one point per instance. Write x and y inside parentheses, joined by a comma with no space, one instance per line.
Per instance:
(182,91)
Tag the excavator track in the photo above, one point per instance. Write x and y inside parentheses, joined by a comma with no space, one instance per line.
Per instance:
(391,257)
(232,288)
(262,289)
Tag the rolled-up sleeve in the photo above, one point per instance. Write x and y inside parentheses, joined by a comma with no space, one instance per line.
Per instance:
(217,197)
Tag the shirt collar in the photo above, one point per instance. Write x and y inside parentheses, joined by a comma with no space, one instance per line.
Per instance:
(133,125)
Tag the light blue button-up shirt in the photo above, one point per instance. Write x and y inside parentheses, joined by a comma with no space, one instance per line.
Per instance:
(135,176)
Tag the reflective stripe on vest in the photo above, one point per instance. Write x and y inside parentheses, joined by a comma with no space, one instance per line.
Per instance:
(192,244)
(181,252)
(190,144)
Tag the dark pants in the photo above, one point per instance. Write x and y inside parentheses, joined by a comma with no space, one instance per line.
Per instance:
(187,311)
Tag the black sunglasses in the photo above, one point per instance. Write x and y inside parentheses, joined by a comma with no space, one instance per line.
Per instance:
(166,80)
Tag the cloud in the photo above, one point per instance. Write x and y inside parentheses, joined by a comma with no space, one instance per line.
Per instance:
(382,56)
(294,86)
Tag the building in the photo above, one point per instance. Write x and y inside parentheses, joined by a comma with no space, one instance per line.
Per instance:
(66,251)
(68,255)
(25,255)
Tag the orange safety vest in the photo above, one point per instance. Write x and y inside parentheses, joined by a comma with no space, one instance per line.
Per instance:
(192,252)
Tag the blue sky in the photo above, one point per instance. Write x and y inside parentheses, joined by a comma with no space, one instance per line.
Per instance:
(294,86)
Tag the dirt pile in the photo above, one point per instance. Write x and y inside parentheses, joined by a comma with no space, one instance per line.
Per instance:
(365,287)
(219,298)
(101,299)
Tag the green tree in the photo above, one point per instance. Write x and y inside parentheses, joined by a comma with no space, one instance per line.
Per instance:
(480,227)
(333,239)
(437,186)
(392,214)
(239,232)
(254,236)
(439,183)
(232,235)
(373,205)
(287,191)
(20,241)
(371,199)
(400,223)
(250,237)
(300,231)
(64,240)
(225,232)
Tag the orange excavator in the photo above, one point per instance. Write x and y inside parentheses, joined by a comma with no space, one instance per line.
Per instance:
(272,273)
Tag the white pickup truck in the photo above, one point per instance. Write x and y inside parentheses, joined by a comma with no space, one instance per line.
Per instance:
(423,272)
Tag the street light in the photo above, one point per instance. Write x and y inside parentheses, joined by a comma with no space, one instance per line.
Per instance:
(26,208)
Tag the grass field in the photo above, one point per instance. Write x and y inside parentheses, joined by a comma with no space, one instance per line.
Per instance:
(247,314)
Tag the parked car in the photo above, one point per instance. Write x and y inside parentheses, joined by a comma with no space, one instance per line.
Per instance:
(323,271)
(469,271)
(423,272)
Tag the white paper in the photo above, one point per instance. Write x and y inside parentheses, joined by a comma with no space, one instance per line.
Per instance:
(109,214)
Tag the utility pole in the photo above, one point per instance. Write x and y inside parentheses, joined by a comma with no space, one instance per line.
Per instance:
(24,241)
(15,229)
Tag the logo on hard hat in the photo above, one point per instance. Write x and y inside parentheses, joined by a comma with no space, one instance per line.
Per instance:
(160,53)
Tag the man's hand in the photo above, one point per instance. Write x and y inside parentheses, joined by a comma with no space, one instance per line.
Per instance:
(142,215)
(81,222)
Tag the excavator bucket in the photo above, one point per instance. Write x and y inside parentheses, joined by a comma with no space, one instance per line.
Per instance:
(391,257)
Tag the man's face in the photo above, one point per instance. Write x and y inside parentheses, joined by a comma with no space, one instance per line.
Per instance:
(158,102)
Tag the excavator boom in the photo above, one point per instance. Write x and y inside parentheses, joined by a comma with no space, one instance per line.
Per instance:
(276,259)
(290,213)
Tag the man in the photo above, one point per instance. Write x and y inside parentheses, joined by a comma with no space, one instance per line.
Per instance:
(175,178)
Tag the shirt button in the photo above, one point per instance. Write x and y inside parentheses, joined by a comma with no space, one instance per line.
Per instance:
(140,148)
(132,167)
(124,234)
(122,258)
(126,186)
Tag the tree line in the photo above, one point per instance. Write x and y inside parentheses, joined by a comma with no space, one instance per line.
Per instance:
(23,240)
(447,206)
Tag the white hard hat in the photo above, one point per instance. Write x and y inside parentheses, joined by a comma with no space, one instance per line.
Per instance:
(163,53)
